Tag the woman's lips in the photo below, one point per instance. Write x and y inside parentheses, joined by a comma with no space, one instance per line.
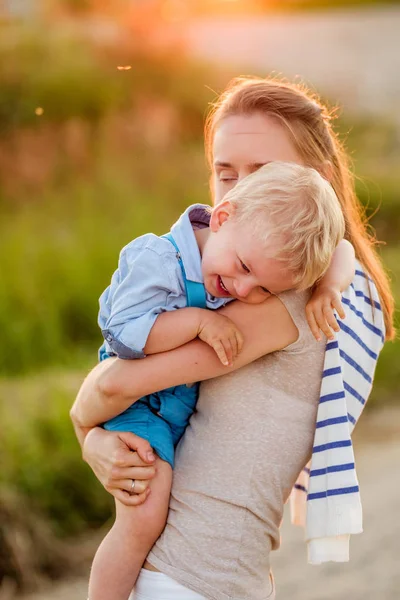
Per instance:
(221,288)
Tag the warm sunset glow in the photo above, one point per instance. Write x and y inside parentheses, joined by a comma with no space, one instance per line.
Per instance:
(174,10)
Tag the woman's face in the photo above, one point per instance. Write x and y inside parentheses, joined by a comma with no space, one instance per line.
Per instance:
(243,144)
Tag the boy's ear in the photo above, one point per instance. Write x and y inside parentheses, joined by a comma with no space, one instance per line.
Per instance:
(220,214)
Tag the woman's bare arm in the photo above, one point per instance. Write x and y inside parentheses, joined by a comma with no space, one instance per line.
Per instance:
(115,384)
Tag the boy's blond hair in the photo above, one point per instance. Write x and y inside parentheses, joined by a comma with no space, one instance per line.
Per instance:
(297,204)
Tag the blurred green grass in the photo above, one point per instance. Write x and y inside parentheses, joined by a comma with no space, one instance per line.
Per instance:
(43,462)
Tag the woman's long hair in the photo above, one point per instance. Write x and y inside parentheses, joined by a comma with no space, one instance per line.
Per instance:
(309,124)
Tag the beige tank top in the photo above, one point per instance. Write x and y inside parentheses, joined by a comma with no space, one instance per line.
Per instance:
(235,467)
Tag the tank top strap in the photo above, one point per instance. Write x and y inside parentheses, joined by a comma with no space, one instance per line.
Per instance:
(195,291)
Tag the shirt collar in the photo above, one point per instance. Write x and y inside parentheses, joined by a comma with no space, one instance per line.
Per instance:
(183,234)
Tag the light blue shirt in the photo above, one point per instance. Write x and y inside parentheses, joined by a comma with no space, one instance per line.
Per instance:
(149,281)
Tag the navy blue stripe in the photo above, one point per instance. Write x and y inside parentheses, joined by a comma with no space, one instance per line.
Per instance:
(332,421)
(357,339)
(300,487)
(358,272)
(332,371)
(355,365)
(367,324)
(329,445)
(373,302)
(333,396)
(353,392)
(331,346)
(332,469)
(351,418)
(361,294)
(337,492)
(340,491)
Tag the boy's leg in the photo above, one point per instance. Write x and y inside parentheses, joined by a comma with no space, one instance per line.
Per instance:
(121,554)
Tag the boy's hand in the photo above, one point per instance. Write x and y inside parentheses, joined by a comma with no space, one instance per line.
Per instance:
(222,335)
(319,310)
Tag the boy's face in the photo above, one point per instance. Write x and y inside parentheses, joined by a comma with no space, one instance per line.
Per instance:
(236,264)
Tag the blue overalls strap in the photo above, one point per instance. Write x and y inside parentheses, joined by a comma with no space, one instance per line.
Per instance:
(195,291)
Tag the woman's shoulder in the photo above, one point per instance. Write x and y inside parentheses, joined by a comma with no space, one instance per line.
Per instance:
(295,303)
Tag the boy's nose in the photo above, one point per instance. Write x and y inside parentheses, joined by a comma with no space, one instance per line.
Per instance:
(243,288)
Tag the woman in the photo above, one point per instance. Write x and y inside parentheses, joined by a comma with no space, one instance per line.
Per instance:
(255,426)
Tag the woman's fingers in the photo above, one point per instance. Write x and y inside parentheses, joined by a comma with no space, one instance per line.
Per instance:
(129,495)
(142,473)
(139,446)
(126,486)
(127,499)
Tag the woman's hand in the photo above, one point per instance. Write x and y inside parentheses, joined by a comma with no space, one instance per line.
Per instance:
(116,459)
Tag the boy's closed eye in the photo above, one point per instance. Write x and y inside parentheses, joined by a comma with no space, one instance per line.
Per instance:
(244,267)
(247,270)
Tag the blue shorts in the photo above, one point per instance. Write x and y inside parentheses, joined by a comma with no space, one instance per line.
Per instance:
(160,418)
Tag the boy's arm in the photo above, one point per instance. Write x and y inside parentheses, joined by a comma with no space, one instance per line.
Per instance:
(326,295)
(114,384)
(340,273)
(137,296)
(173,329)
(215,328)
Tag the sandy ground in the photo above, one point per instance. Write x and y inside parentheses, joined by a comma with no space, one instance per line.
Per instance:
(373,571)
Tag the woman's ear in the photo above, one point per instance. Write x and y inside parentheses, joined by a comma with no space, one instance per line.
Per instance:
(220,214)
(327,170)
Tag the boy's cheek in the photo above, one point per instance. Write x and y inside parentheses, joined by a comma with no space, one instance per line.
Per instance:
(254,298)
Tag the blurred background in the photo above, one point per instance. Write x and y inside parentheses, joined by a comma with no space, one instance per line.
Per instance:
(101,115)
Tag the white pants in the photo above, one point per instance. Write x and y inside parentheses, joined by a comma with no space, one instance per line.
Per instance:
(152,585)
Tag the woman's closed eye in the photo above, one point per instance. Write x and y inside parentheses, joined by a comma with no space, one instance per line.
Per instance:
(226,176)
(244,267)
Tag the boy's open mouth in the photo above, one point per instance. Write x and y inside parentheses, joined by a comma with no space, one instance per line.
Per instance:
(221,287)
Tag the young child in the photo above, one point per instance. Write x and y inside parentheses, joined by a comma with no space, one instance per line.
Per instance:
(276,230)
